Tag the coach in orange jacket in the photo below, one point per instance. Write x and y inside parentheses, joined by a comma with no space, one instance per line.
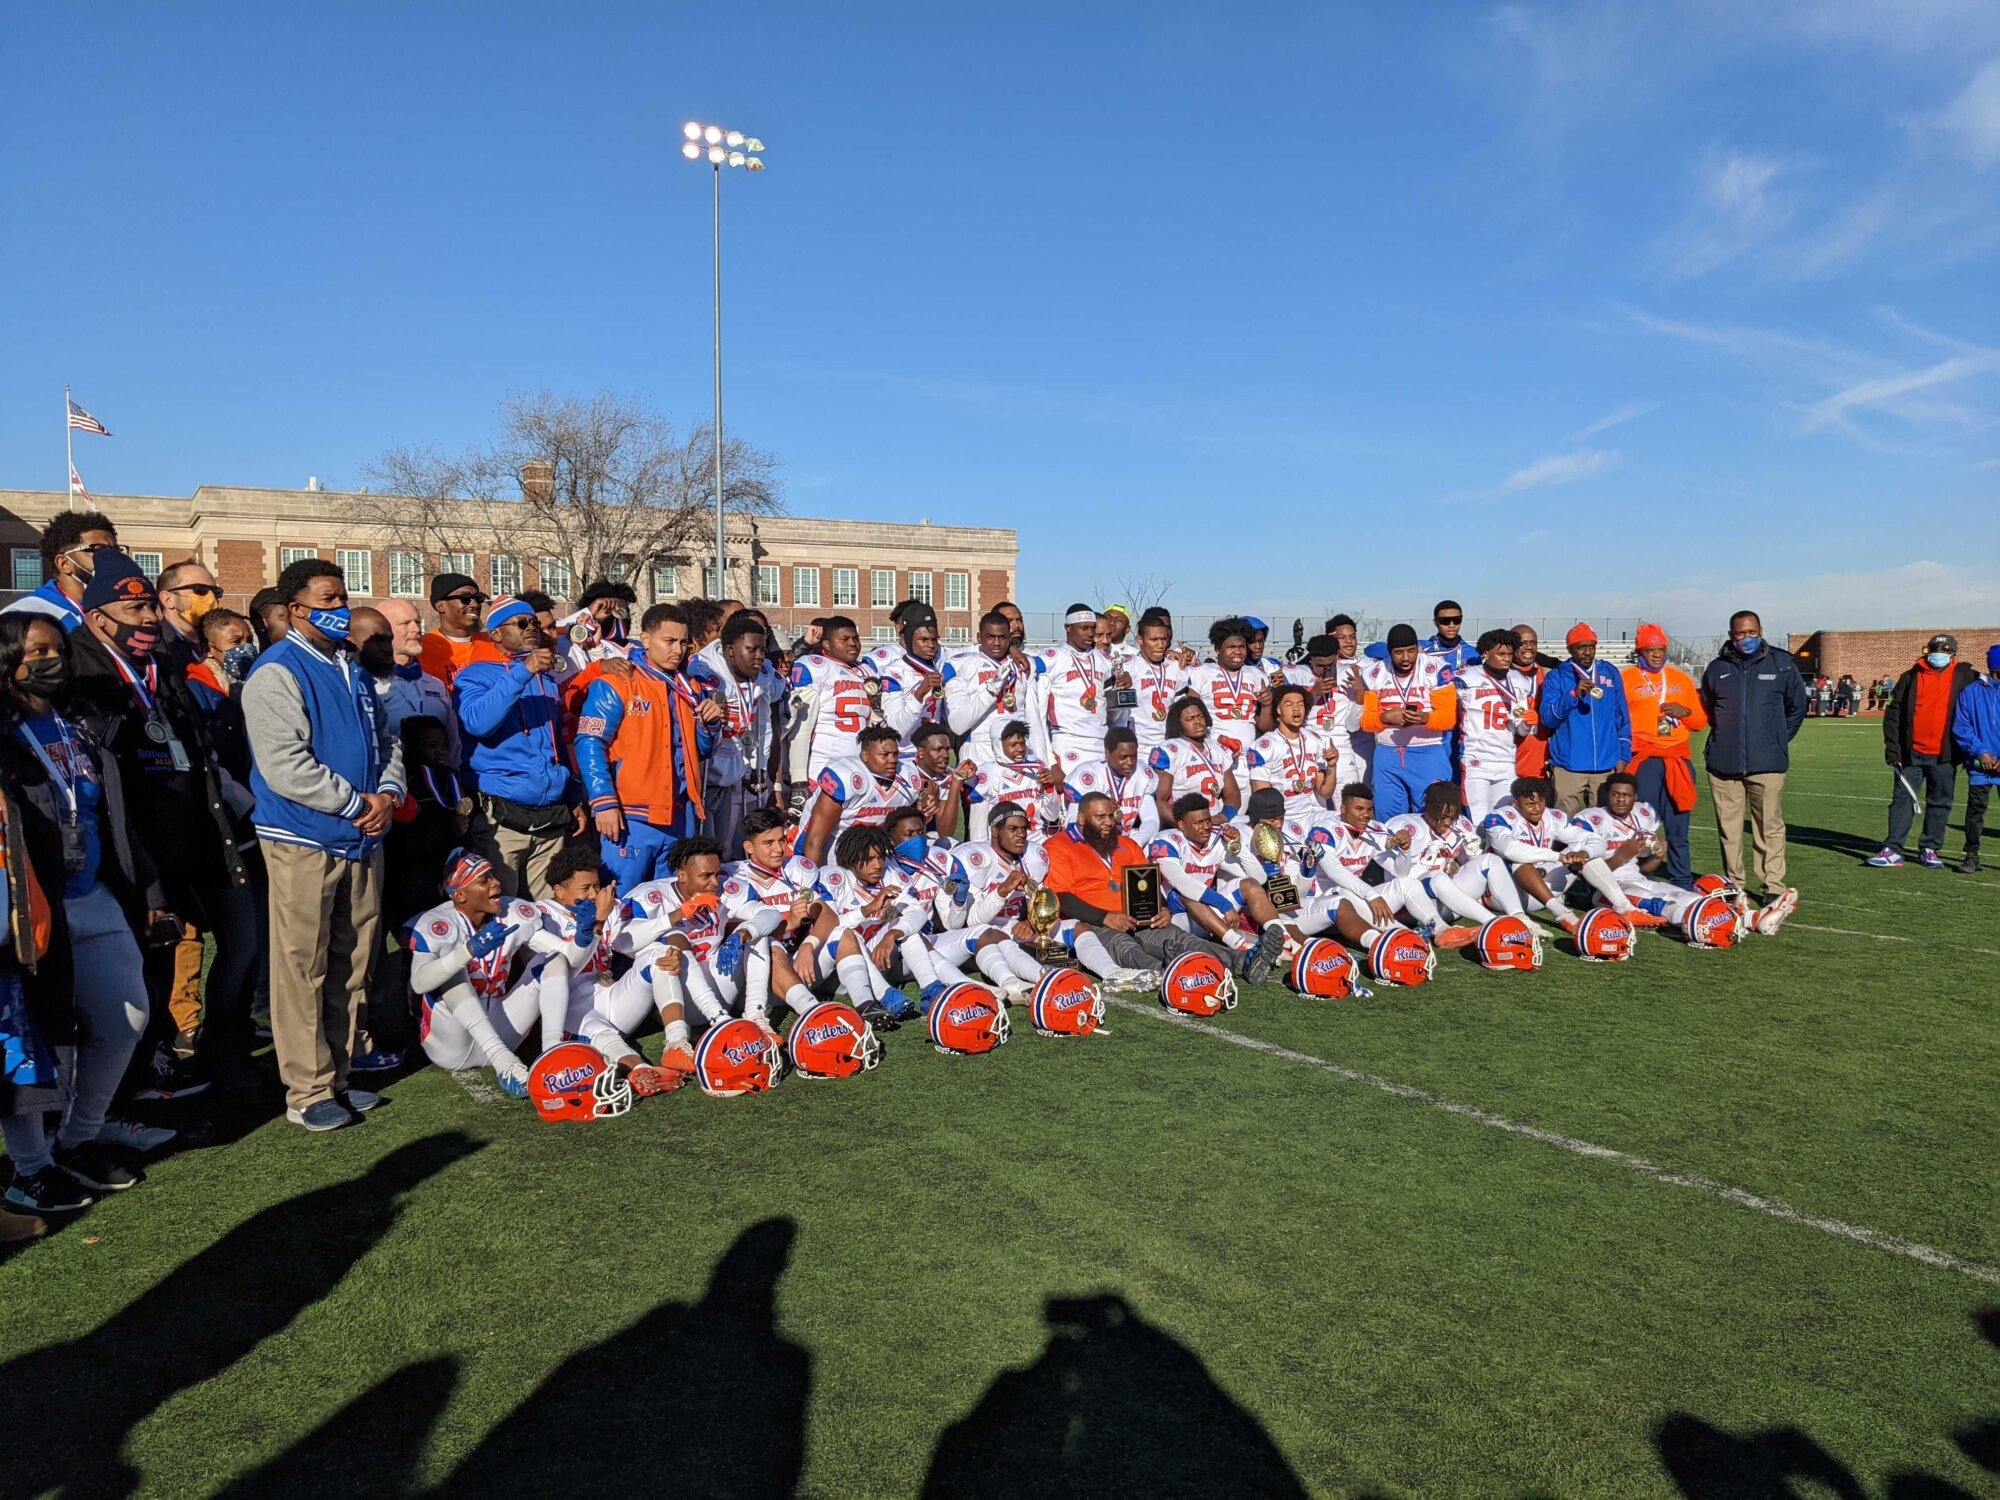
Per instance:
(1666,710)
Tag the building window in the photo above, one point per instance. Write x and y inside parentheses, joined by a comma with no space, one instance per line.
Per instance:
(957,635)
(958,591)
(505,573)
(359,567)
(765,584)
(666,581)
(618,569)
(149,563)
(881,588)
(455,562)
(27,569)
(846,588)
(881,633)
(554,573)
(406,575)
(920,587)
(289,555)
(711,581)
(805,587)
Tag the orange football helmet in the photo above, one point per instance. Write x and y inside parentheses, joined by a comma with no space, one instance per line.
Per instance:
(968,1019)
(1066,1003)
(1400,956)
(1323,970)
(832,1041)
(1604,937)
(1198,983)
(1510,942)
(1710,923)
(737,1057)
(574,1081)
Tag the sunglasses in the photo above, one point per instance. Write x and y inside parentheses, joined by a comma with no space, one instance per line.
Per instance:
(464,599)
(205,590)
(93,548)
(1447,619)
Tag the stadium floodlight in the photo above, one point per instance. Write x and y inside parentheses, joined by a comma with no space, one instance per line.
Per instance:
(724,148)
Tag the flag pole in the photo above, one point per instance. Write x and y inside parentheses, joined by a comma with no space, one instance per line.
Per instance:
(69,453)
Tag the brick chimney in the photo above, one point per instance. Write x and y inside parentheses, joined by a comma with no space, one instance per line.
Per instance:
(538,481)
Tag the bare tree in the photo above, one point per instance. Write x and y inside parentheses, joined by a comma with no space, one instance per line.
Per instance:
(1141,593)
(603,483)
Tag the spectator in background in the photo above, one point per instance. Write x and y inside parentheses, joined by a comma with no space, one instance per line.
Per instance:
(510,712)
(1922,755)
(214,681)
(184,809)
(70,545)
(73,818)
(1755,701)
(187,591)
(1975,729)
(1846,698)
(413,690)
(1666,710)
(1582,708)
(458,603)
(268,616)
(329,777)
(1884,686)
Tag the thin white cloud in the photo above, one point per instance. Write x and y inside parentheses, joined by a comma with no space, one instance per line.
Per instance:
(1972,120)
(1991,463)
(1561,468)
(1885,392)
(1738,207)
(1919,595)
(1627,413)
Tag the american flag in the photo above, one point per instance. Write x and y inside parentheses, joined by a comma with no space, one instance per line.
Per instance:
(80,418)
(76,483)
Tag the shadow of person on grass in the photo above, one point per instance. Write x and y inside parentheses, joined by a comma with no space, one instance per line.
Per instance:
(372,1446)
(653,1407)
(1114,1406)
(1840,841)
(76,1401)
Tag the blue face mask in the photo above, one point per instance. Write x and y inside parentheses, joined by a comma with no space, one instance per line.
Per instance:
(1749,644)
(1939,659)
(331,623)
(914,848)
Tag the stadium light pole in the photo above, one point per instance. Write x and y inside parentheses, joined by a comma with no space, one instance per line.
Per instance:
(720,148)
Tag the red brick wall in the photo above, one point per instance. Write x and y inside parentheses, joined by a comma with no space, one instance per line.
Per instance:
(1869,654)
(992,589)
(239,569)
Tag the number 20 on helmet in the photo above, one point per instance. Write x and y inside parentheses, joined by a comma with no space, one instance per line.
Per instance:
(832,1041)
(1198,983)
(1604,937)
(573,1081)
(1323,970)
(1066,1003)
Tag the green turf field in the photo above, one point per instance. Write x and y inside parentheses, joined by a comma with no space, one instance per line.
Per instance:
(1154,1263)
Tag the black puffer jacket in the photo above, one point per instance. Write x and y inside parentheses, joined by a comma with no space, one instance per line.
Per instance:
(1755,706)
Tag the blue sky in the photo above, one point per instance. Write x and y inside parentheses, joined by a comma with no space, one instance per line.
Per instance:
(1615,308)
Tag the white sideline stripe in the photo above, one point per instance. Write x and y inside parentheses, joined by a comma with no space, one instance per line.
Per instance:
(1882,937)
(473,1083)
(1861,1235)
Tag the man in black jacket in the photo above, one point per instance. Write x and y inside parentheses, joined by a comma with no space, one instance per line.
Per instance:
(1922,754)
(1756,702)
(181,805)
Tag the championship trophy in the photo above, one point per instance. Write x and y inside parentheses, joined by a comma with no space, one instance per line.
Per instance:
(1269,846)
(1044,911)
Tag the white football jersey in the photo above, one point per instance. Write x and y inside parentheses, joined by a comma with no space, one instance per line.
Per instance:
(654,909)
(1349,851)
(1231,700)
(1413,693)
(863,798)
(1069,687)
(747,887)
(445,927)
(1281,671)
(560,922)
(906,705)
(984,868)
(1204,863)
(1194,766)
(847,897)
(1602,833)
(1017,781)
(1431,851)
(1506,824)
(1139,812)
(1157,687)
(981,697)
(1291,767)
(1491,720)
(745,741)
(831,705)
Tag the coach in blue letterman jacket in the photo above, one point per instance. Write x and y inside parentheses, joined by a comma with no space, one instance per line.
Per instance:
(328,775)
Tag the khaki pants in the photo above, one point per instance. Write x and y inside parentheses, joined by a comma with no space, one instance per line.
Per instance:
(521,860)
(1576,790)
(324,916)
(184,998)
(1764,797)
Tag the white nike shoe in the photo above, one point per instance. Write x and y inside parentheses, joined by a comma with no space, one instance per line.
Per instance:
(1772,917)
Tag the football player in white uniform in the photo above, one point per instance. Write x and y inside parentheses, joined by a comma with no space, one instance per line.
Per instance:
(1069,693)
(930,782)
(1203,867)
(1236,694)
(768,896)
(850,793)
(831,700)
(738,772)
(1351,861)
(1336,712)
(1547,856)
(912,674)
(476,1000)
(1276,668)
(1625,833)
(1121,777)
(1158,678)
(986,688)
(1294,760)
(1441,848)
(881,912)
(1188,761)
(1492,721)
(1017,776)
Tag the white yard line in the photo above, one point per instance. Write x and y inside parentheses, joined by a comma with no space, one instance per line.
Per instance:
(473,1081)
(1771,1207)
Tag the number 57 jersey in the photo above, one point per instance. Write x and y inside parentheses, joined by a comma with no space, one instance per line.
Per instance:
(830,706)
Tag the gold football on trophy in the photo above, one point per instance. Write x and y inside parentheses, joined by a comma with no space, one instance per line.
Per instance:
(1267,843)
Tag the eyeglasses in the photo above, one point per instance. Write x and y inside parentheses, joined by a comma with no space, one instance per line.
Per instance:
(93,548)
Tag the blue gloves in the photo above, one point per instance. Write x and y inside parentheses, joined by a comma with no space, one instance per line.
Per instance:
(729,954)
(585,913)
(488,939)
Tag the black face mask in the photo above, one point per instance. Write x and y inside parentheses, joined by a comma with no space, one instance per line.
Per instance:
(47,676)
(378,656)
